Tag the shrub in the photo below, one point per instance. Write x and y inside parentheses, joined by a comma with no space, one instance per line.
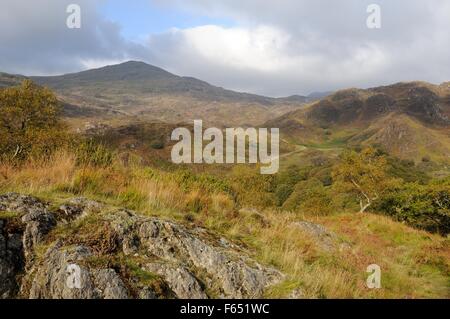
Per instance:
(310,197)
(29,123)
(252,188)
(282,193)
(422,206)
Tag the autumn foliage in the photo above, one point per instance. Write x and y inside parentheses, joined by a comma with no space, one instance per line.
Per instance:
(29,123)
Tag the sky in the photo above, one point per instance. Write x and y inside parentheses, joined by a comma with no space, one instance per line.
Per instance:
(269,47)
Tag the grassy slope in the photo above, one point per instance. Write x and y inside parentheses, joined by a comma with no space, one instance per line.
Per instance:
(414,264)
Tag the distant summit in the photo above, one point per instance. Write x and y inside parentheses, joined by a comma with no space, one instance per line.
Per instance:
(137,89)
(140,77)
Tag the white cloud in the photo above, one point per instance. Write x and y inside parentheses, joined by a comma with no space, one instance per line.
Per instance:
(261,49)
(262,59)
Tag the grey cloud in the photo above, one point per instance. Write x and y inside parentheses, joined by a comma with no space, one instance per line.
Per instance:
(36,40)
(413,40)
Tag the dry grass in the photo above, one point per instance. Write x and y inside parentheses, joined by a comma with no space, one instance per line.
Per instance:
(414,264)
(35,176)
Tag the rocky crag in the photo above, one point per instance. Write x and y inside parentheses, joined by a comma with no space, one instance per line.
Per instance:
(85,249)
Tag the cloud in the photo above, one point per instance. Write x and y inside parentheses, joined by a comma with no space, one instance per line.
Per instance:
(35,39)
(277,47)
(297,46)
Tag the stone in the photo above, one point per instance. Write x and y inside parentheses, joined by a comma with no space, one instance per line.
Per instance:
(23,204)
(52,277)
(324,239)
(38,224)
(11,261)
(179,279)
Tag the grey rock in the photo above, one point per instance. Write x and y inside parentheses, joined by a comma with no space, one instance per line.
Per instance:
(226,267)
(179,279)
(11,262)
(109,284)
(192,262)
(325,239)
(147,293)
(24,204)
(78,208)
(54,279)
(38,224)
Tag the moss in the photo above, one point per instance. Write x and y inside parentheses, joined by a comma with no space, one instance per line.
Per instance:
(8,215)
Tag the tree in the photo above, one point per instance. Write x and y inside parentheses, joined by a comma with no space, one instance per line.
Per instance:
(29,122)
(363,174)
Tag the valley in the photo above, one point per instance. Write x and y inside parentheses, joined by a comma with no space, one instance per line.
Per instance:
(364,179)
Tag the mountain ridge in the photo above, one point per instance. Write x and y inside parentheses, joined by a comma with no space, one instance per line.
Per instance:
(408,119)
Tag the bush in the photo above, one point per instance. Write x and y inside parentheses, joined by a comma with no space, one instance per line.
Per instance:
(425,207)
(310,197)
(282,193)
(189,181)
(29,123)
(252,188)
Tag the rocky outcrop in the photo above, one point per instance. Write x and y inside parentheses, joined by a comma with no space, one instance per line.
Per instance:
(11,260)
(38,224)
(225,268)
(77,208)
(425,104)
(324,239)
(94,251)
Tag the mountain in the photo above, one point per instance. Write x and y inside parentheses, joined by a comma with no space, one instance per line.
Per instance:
(318,95)
(409,120)
(423,101)
(139,77)
(10,79)
(138,89)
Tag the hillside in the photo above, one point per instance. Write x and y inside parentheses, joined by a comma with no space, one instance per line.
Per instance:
(7,80)
(409,120)
(138,232)
(138,89)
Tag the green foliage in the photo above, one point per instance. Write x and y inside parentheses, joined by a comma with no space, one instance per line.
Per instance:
(310,197)
(92,153)
(364,175)
(407,171)
(189,180)
(423,206)
(252,188)
(29,123)
(285,182)
(282,193)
